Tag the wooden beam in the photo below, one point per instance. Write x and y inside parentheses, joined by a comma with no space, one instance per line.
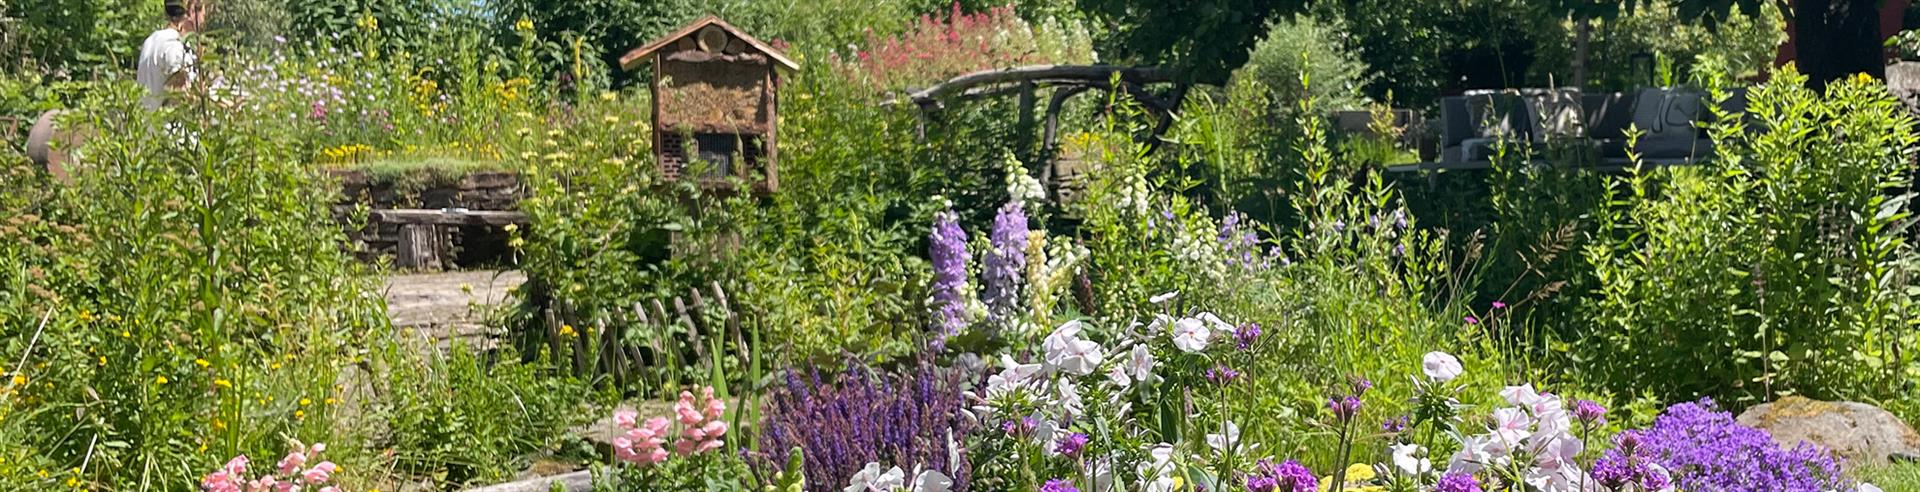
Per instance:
(1033,73)
(449,216)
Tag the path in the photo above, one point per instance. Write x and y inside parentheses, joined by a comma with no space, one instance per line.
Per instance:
(449,304)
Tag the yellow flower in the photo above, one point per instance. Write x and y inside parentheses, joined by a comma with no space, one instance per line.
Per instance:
(19,380)
(331,401)
(160,380)
(567,331)
(223,383)
(202,362)
(305,402)
(299,414)
(523,25)
(124,334)
(275,365)
(86,316)
(103,361)
(1359,473)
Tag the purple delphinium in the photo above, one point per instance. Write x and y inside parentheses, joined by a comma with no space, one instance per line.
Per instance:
(1058,485)
(947,249)
(1006,265)
(1457,482)
(1222,375)
(1071,445)
(1706,449)
(1241,246)
(1245,336)
(866,416)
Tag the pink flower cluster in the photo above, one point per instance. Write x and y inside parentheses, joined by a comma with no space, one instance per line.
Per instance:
(233,476)
(701,430)
(700,425)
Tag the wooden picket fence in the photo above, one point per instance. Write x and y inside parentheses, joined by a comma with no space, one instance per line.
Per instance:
(649,346)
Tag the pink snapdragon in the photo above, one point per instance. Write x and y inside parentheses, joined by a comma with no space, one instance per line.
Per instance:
(700,427)
(233,476)
(641,444)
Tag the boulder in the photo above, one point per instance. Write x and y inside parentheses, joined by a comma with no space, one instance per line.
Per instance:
(1859,432)
(1903,80)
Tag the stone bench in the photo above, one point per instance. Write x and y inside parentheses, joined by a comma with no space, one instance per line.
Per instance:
(422,243)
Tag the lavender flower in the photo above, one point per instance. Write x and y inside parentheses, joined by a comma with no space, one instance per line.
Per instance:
(948,250)
(1628,464)
(1071,445)
(1708,450)
(1457,482)
(1344,408)
(1246,335)
(1394,425)
(1058,485)
(841,424)
(1360,385)
(1006,265)
(1222,375)
(1589,411)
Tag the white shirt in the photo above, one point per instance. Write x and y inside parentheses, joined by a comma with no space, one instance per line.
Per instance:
(162,56)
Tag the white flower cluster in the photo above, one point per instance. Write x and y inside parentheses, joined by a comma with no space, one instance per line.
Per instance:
(1021,187)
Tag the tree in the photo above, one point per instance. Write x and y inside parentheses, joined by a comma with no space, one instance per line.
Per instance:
(1832,38)
(1202,40)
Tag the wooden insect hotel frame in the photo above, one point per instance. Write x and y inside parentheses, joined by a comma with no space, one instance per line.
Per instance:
(715,103)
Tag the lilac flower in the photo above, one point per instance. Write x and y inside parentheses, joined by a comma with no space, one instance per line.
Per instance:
(1222,375)
(1394,425)
(1707,450)
(1400,218)
(1006,265)
(1058,485)
(947,249)
(1589,411)
(1628,464)
(1457,482)
(1071,445)
(1288,476)
(1246,335)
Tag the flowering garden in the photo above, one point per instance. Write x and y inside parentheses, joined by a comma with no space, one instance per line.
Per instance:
(1231,295)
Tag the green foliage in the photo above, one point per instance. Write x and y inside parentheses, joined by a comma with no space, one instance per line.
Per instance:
(1302,58)
(1743,46)
(74,38)
(1204,40)
(459,417)
(1777,269)
(196,299)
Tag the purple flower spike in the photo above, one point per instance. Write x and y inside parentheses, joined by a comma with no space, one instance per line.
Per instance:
(1058,485)
(948,252)
(1222,375)
(1344,408)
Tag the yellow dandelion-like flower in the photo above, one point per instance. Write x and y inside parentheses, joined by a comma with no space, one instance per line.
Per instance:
(299,414)
(161,380)
(223,383)
(567,331)
(19,380)
(523,25)
(305,402)
(275,366)
(202,362)
(86,316)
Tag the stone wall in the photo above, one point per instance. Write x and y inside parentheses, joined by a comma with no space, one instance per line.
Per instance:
(471,245)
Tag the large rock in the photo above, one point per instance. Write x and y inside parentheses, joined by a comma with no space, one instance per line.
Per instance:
(1859,432)
(1903,80)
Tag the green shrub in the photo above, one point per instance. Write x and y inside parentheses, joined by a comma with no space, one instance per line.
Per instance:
(1780,267)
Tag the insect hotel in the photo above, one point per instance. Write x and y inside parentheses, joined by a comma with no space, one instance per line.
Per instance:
(715,104)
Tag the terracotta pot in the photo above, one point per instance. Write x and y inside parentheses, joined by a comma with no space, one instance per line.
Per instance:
(48,145)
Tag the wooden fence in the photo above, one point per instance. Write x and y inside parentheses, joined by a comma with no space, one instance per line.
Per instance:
(647,347)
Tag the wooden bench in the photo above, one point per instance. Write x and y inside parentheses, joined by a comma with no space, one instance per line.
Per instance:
(421,242)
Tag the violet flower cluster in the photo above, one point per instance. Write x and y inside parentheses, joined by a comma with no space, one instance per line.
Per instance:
(1706,449)
(912,420)
(1005,266)
(1629,464)
(947,248)
(1288,476)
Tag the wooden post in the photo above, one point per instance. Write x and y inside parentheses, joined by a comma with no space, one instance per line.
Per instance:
(419,247)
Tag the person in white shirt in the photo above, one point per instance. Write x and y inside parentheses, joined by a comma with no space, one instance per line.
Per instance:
(165,62)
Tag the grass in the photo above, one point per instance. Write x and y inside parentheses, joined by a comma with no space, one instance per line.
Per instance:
(422,171)
(1899,477)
